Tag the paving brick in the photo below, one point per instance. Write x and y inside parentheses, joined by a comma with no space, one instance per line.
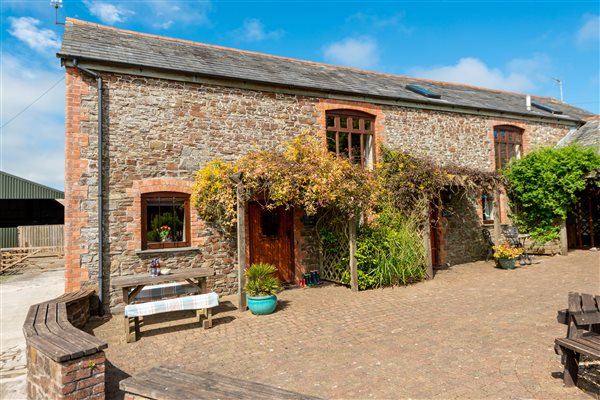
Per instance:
(473,332)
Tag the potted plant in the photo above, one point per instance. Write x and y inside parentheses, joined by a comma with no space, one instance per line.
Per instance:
(261,285)
(505,255)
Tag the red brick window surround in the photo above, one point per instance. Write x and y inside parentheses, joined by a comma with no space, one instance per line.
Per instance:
(508,144)
(351,134)
(165,220)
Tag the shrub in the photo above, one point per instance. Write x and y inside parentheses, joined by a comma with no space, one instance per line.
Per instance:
(505,250)
(261,280)
(543,185)
(389,252)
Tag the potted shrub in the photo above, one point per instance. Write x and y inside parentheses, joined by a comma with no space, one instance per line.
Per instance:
(505,255)
(262,285)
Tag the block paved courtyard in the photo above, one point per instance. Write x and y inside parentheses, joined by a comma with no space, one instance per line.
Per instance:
(473,332)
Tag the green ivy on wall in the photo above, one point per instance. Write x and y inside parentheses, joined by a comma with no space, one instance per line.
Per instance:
(543,186)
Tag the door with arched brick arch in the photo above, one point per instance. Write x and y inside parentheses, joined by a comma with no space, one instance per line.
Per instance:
(271,239)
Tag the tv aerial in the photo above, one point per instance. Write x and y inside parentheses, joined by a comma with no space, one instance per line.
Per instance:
(56,4)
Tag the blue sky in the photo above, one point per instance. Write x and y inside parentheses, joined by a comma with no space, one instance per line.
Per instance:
(509,45)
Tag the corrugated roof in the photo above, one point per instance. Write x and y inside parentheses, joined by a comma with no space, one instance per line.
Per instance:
(87,41)
(14,187)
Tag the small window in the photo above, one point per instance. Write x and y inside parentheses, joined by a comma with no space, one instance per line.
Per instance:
(165,220)
(350,135)
(508,141)
(487,206)
(424,92)
(269,223)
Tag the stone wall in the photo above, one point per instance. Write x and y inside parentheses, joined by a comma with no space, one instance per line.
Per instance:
(160,132)
(82,378)
(463,238)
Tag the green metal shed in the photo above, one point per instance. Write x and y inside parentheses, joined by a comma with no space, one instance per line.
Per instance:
(23,202)
(14,187)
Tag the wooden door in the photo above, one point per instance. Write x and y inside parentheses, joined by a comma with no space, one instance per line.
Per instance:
(271,234)
(435,225)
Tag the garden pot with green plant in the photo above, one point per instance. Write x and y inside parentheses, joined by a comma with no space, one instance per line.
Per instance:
(262,286)
(505,255)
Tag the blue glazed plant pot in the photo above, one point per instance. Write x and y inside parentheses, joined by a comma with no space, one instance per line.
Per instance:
(262,305)
(506,263)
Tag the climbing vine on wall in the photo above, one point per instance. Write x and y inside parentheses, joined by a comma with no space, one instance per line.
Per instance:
(301,174)
(543,186)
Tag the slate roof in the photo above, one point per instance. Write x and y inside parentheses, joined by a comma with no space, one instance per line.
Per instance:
(87,41)
(587,135)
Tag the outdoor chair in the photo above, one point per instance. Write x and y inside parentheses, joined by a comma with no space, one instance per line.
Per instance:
(511,233)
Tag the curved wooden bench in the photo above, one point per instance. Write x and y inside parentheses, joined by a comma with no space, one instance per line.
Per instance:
(63,362)
(47,327)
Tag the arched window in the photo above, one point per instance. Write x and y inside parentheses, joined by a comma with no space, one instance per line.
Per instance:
(508,143)
(165,220)
(351,134)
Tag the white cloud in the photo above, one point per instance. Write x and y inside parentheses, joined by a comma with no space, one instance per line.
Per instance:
(107,12)
(26,29)
(590,30)
(164,14)
(33,143)
(253,30)
(371,21)
(519,75)
(362,52)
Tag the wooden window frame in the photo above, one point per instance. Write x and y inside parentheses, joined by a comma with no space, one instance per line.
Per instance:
(144,228)
(489,198)
(349,130)
(513,137)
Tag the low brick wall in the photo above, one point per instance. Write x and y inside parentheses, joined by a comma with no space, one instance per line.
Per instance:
(63,363)
(82,378)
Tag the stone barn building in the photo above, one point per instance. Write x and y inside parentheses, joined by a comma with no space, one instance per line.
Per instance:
(169,106)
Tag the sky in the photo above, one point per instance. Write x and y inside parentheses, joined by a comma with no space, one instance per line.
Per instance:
(508,45)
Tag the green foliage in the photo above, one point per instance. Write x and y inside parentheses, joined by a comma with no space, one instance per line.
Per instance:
(411,183)
(302,174)
(261,280)
(169,219)
(389,251)
(543,185)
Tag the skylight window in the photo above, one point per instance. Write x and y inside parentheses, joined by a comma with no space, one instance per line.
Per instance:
(546,108)
(423,91)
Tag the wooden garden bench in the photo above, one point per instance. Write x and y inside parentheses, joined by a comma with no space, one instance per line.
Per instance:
(583,333)
(47,327)
(165,383)
(202,303)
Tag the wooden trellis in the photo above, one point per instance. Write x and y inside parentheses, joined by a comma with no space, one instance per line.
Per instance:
(335,248)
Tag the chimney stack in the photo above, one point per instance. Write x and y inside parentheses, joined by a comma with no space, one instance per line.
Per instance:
(528,102)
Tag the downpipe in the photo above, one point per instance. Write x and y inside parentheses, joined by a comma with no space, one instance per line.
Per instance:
(100,191)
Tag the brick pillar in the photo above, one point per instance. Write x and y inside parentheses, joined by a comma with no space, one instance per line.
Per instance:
(76,189)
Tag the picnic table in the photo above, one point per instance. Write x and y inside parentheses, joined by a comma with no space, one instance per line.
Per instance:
(583,333)
(131,285)
(158,287)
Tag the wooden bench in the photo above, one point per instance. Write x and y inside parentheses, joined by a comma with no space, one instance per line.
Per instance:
(202,303)
(48,329)
(165,383)
(583,333)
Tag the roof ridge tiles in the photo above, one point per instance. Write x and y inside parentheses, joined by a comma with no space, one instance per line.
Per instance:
(213,46)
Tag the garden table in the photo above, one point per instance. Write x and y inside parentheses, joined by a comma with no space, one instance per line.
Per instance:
(131,285)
